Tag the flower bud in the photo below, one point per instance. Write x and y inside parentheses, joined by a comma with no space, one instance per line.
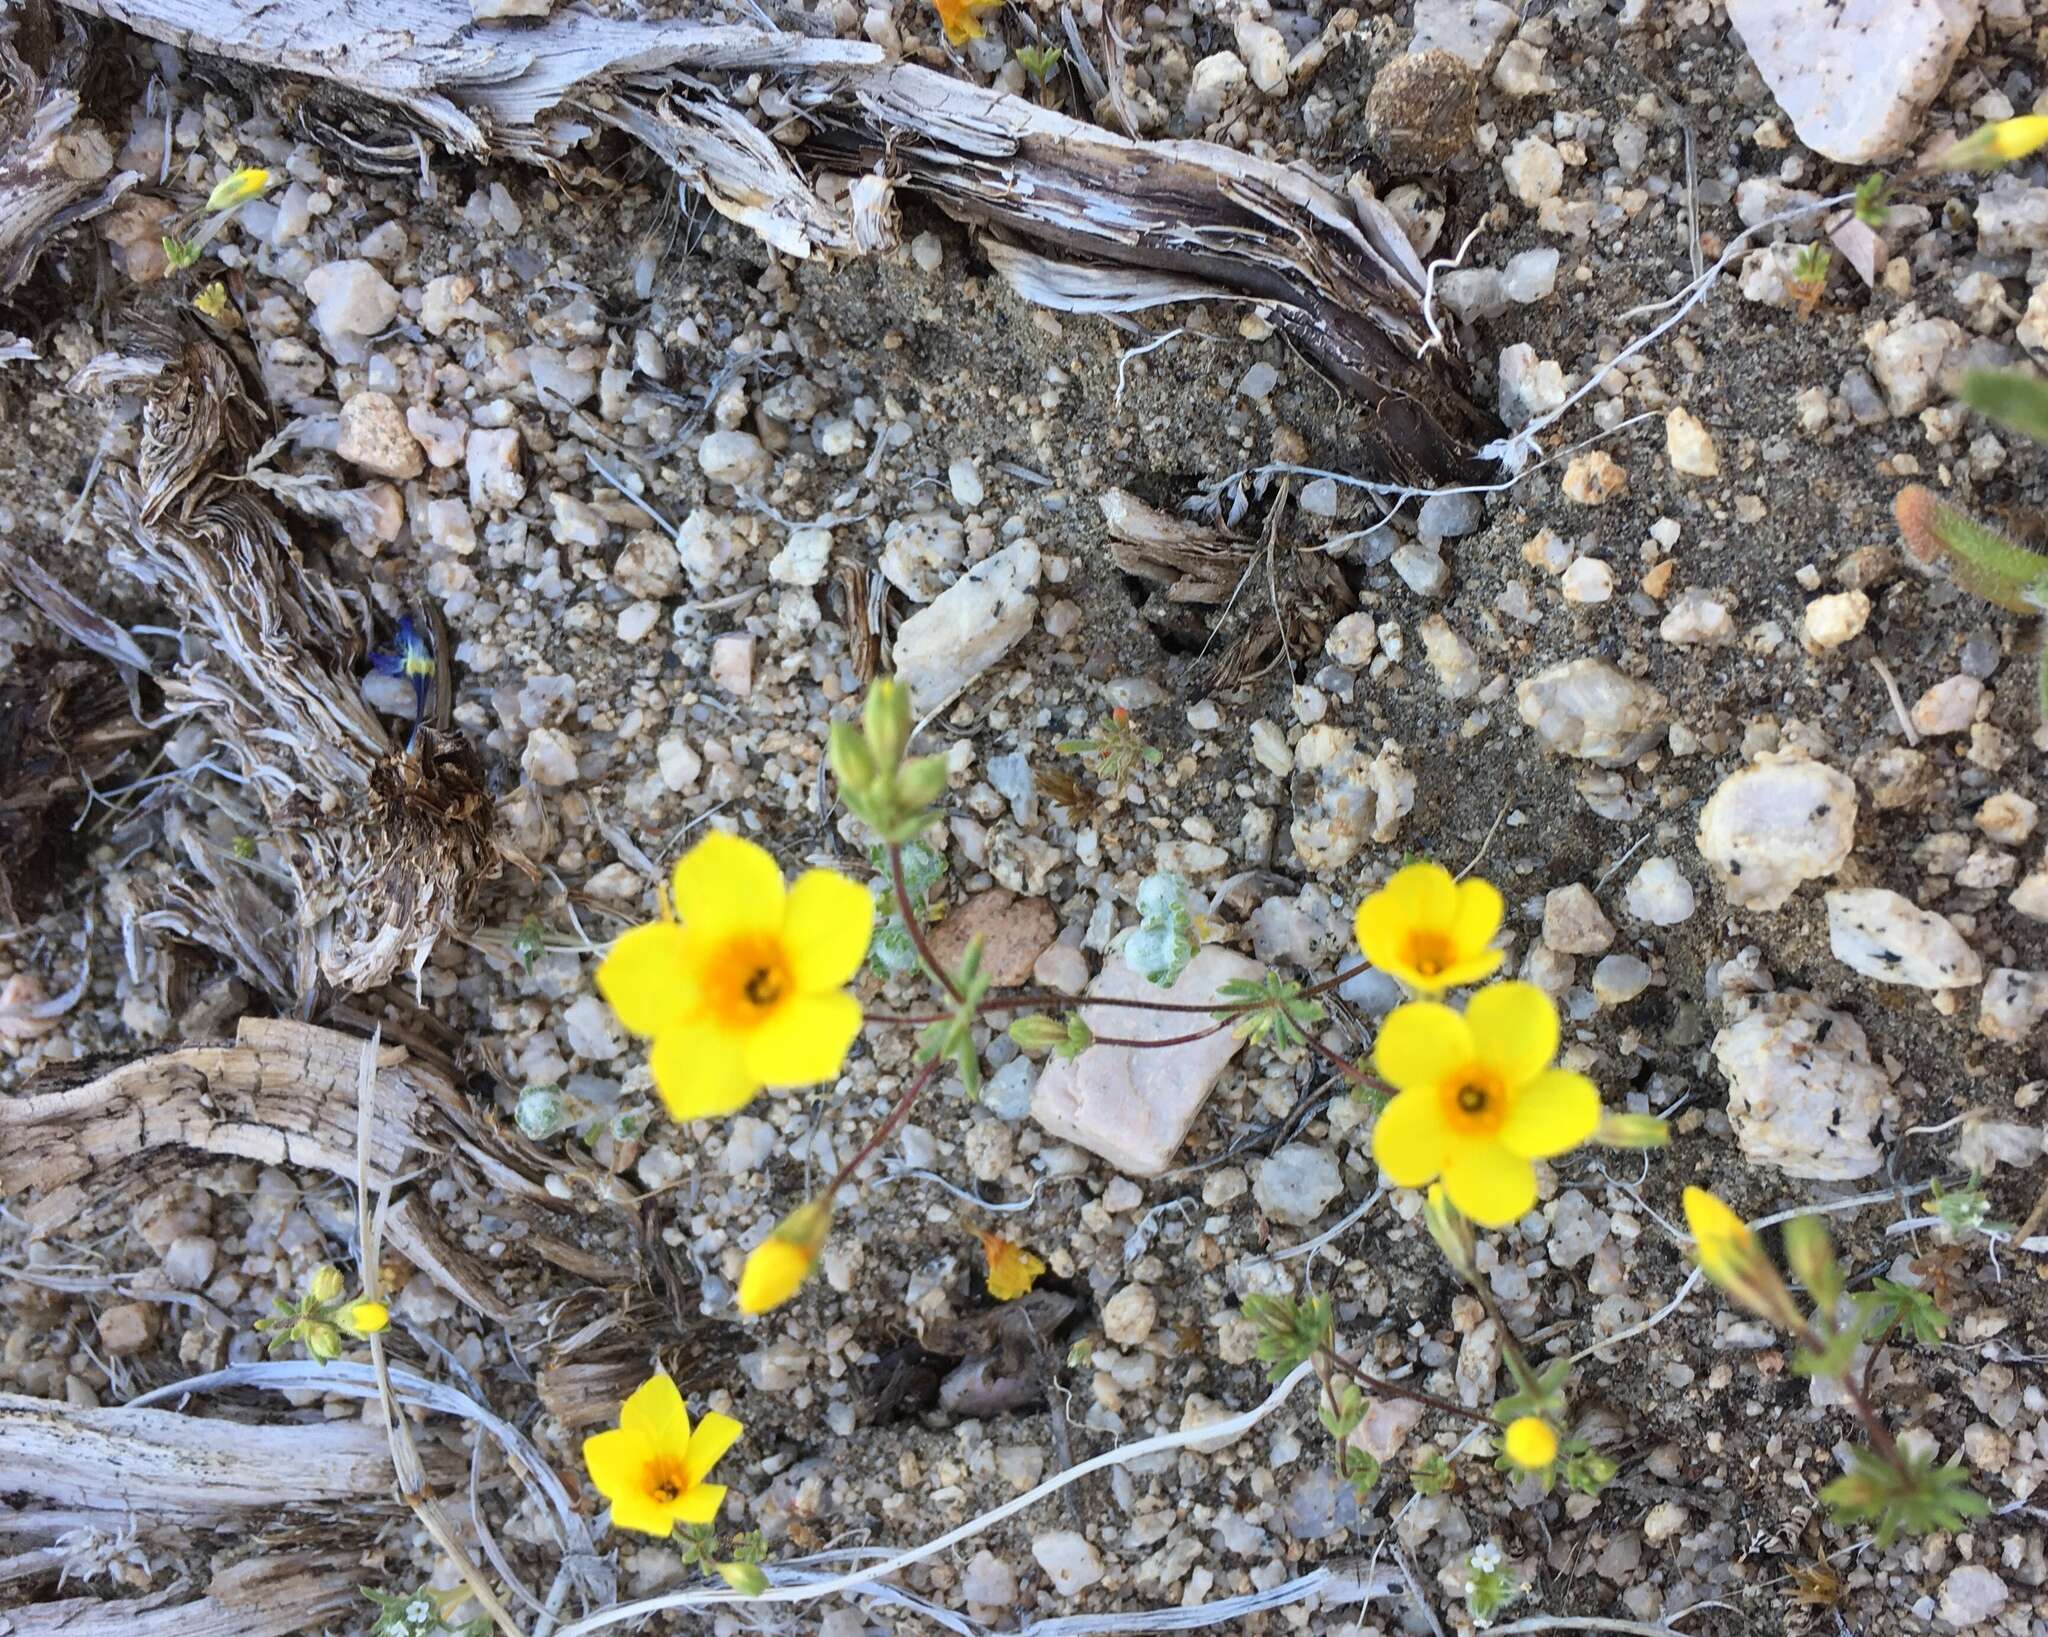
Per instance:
(921,782)
(848,753)
(323,1341)
(1448,1227)
(1811,1255)
(326,1284)
(1038,1032)
(238,188)
(886,720)
(1633,1131)
(777,1267)
(744,1578)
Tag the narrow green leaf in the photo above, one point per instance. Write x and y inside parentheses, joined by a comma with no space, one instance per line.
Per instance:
(2010,398)
(1983,561)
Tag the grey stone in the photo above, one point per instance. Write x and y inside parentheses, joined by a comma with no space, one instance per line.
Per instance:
(1588,709)
(1296,1184)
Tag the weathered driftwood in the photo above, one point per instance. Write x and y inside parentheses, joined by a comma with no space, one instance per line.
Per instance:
(283,1093)
(1127,223)
(158,1464)
(279,1595)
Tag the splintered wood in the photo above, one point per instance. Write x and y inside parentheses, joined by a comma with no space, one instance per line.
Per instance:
(1081,218)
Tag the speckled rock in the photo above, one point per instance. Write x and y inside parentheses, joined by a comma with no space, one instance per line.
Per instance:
(1422,111)
(1890,938)
(2014,1002)
(1769,827)
(1573,923)
(977,619)
(1803,1093)
(375,437)
(1342,798)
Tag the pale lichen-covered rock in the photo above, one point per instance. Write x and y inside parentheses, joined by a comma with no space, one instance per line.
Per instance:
(1342,799)
(1803,1093)
(1782,821)
(1854,76)
(1588,709)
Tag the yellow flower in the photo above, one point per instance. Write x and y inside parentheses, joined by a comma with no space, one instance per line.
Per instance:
(1478,1099)
(744,989)
(1429,931)
(1012,1270)
(1990,146)
(366,1318)
(1530,1443)
(961,19)
(212,301)
(777,1267)
(652,1467)
(1724,1246)
(238,187)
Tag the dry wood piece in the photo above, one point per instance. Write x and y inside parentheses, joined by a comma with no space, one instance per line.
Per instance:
(159,1464)
(1116,223)
(269,1596)
(1196,564)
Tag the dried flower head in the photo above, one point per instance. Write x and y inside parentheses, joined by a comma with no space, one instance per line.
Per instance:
(961,19)
(743,989)
(1012,1270)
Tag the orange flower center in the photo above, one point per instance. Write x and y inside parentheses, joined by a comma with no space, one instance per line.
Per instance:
(748,979)
(663,1480)
(1430,951)
(1475,1102)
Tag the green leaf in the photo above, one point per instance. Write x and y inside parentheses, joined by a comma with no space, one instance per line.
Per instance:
(1983,561)
(1916,1312)
(1912,1497)
(2010,398)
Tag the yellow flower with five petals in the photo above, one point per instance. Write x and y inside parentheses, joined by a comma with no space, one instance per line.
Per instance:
(1478,1099)
(1431,932)
(652,1465)
(744,989)
(1530,1443)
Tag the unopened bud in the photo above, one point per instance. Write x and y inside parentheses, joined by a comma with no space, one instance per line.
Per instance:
(1633,1131)
(366,1318)
(848,753)
(1038,1032)
(921,782)
(744,1578)
(886,719)
(326,1284)
(1448,1227)
(323,1341)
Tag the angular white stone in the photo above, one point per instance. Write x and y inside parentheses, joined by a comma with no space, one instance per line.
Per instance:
(1771,826)
(1573,922)
(1689,446)
(1836,618)
(1355,798)
(1588,709)
(1890,938)
(493,460)
(1659,893)
(922,554)
(1803,1094)
(1296,1184)
(736,458)
(1134,1106)
(351,300)
(1972,1596)
(1468,28)
(2013,1003)
(969,626)
(1854,75)
(1069,1560)
(1698,617)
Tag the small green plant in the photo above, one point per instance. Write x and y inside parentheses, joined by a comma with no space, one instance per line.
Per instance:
(1431,1474)
(741,1569)
(1163,943)
(1269,1011)
(1116,751)
(894,951)
(1039,61)
(529,943)
(422,1612)
(1489,1584)
(1979,558)
(1873,200)
(1810,277)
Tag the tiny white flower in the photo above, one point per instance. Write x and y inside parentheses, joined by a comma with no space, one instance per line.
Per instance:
(417,1611)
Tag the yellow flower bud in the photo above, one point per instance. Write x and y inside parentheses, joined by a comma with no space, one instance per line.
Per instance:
(1449,1228)
(744,1578)
(1633,1131)
(1530,1443)
(238,188)
(1724,1246)
(366,1318)
(1038,1032)
(326,1284)
(1990,146)
(777,1267)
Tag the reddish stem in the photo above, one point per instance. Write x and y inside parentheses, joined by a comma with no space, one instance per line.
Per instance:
(887,1129)
(911,920)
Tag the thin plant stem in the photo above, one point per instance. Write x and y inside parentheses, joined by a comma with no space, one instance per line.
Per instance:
(1394,1389)
(911,924)
(1148,1045)
(1339,980)
(1881,1438)
(887,1129)
(1349,1070)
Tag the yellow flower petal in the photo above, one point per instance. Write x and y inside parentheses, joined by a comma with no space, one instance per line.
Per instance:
(1722,1238)
(655,1415)
(2016,138)
(775,1271)
(1530,1443)
(825,929)
(1381,927)
(1514,1030)
(647,978)
(1478,916)
(804,1040)
(702,1073)
(1420,1045)
(715,1435)
(1491,1184)
(1426,894)
(1551,1114)
(367,1318)
(698,1504)
(643,1514)
(1410,1140)
(1459,973)
(615,1459)
(725,885)
(1012,1270)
